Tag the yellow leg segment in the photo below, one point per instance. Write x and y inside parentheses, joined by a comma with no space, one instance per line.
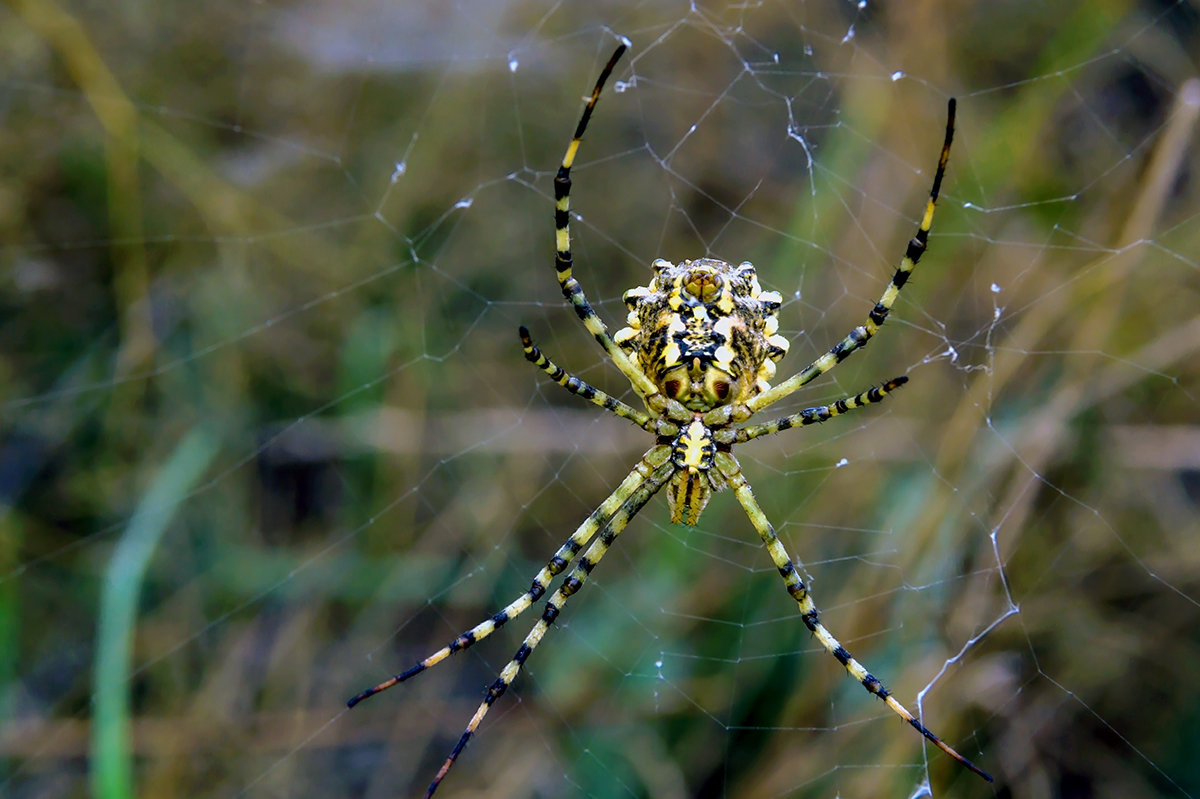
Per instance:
(590,393)
(860,335)
(562,242)
(730,468)
(565,554)
(809,415)
(655,471)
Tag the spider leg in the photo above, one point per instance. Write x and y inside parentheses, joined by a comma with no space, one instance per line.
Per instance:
(810,415)
(654,480)
(859,336)
(563,260)
(729,467)
(599,518)
(580,388)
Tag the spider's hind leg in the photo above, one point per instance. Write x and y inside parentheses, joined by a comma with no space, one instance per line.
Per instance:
(563,260)
(859,336)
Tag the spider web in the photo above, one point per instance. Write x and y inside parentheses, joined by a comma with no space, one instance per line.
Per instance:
(268,436)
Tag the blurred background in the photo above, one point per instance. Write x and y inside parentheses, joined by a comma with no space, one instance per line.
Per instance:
(267,437)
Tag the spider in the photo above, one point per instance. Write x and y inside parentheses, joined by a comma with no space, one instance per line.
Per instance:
(700,347)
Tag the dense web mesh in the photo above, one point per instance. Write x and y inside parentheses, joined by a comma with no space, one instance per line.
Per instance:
(268,437)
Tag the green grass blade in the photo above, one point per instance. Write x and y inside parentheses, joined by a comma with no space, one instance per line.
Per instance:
(111,750)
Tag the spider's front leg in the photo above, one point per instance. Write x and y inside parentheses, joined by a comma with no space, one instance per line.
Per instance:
(599,520)
(728,465)
(656,469)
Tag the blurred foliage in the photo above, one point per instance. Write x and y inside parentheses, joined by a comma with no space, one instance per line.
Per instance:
(311,231)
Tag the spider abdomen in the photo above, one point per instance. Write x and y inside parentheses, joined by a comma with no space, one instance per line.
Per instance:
(704,332)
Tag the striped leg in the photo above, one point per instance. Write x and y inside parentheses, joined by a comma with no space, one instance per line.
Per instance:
(812,415)
(730,468)
(576,386)
(563,261)
(565,554)
(860,335)
(575,580)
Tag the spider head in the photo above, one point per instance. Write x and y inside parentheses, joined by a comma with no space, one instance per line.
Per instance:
(704,331)
(691,486)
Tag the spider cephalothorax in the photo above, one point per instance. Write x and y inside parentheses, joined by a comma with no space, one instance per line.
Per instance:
(701,345)
(704,332)
(693,454)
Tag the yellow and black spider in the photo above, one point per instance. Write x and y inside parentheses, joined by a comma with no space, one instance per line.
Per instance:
(699,350)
